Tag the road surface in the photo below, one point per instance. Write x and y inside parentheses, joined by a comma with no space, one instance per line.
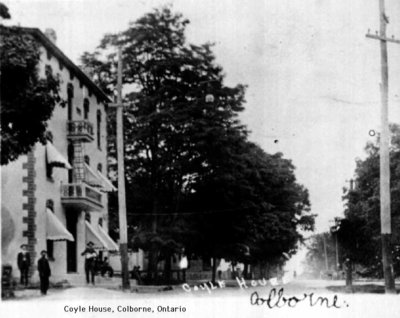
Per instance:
(301,298)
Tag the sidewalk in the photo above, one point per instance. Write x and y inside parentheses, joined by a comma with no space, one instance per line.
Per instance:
(104,286)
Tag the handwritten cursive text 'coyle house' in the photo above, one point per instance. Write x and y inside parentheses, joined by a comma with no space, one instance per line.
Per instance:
(55,197)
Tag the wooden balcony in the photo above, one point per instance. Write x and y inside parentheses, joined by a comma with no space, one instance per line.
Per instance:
(80,130)
(81,196)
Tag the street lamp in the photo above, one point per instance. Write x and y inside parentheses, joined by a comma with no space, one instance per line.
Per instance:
(210,98)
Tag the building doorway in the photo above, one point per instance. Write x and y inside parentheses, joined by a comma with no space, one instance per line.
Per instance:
(72,219)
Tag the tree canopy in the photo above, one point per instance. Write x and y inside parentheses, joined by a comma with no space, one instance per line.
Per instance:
(359,232)
(4,12)
(258,204)
(193,178)
(27,101)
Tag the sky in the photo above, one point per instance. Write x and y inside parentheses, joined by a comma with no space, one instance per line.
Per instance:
(312,75)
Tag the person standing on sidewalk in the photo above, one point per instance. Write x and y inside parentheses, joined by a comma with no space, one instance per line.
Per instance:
(348,267)
(183,265)
(24,262)
(44,272)
(90,262)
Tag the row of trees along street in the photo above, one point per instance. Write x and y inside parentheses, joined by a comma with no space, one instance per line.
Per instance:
(359,236)
(194,180)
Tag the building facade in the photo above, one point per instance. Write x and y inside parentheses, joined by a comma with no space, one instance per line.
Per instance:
(55,197)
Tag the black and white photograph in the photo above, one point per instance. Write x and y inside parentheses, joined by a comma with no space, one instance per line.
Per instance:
(182,158)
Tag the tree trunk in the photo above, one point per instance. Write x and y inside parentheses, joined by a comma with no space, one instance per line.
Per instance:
(262,269)
(167,268)
(152,267)
(214,269)
(152,270)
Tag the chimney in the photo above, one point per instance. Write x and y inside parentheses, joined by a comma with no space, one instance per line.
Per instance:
(51,35)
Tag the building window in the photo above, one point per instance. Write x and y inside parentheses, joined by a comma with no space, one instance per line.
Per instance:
(50,243)
(70,96)
(99,129)
(87,160)
(50,205)
(86,109)
(50,249)
(49,168)
(100,167)
(101,221)
(49,136)
(87,217)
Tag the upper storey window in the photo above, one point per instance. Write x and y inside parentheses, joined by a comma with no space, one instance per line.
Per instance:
(86,109)
(70,96)
(99,129)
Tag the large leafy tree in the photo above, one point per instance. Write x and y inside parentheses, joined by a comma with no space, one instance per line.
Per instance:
(27,101)
(259,208)
(172,120)
(359,233)
(187,156)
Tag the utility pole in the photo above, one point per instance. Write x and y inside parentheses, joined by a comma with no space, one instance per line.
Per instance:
(337,227)
(335,230)
(337,252)
(123,229)
(386,231)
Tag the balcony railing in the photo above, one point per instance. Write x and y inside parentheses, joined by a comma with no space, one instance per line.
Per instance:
(80,130)
(81,195)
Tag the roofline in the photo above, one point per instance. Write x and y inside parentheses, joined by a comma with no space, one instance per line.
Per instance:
(49,45)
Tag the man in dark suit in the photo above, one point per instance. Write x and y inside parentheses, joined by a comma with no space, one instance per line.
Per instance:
(90,262)
(24,262)
(348,267)
(44,272)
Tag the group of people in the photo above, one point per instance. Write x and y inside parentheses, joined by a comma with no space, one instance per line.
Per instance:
(234,268)
(92,266)
(43,266)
